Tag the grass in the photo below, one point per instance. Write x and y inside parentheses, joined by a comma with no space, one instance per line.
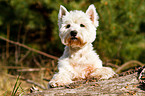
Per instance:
(10,85)
(16,87)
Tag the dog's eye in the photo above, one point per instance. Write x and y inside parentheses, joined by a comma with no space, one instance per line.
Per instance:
(67,26)
(82,25)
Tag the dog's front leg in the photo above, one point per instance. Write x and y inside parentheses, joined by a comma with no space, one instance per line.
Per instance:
(63,77)
(60,79)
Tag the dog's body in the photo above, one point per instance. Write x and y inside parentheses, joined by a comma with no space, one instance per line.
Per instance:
(79,60)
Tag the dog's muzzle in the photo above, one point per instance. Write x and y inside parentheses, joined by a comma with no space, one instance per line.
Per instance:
(74,40)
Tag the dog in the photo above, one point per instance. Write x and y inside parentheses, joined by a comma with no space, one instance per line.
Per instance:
(77,30)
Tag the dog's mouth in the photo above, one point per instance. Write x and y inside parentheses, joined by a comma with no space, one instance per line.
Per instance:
(75,41)
(73,38)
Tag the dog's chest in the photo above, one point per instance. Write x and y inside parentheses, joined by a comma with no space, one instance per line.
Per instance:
(81,66)
(78,60)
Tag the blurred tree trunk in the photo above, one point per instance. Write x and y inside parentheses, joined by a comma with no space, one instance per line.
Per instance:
(7,43)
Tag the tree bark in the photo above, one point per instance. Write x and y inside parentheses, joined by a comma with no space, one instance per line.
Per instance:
(118,86)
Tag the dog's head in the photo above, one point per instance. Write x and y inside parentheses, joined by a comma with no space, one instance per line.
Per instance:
(76,27)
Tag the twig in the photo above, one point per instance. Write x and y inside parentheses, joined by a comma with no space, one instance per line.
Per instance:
(127,64)
(36,62)
(23,68)
(32,82)
(112,65)
(34,50)
(13,67)
(27,53)
(31,69)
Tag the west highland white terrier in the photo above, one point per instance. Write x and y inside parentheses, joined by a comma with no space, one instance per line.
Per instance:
(79,60)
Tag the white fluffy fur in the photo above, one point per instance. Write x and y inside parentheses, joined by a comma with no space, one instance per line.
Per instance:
(79,60)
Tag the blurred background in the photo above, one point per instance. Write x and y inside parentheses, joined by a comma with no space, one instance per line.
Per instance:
(30,45)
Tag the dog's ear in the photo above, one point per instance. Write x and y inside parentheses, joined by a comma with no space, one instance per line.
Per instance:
(91,11)
(62,12)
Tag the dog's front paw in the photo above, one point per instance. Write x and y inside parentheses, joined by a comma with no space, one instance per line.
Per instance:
(61,82)
(103,73)
(52,84)
(107,73)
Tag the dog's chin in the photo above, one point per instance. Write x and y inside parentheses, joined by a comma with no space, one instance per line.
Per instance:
(75,42)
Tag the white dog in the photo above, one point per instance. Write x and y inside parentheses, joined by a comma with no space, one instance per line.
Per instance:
(79,60)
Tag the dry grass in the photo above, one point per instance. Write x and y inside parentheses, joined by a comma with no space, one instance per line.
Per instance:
(7,81)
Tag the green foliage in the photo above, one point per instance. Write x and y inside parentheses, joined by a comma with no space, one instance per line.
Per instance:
(121,34)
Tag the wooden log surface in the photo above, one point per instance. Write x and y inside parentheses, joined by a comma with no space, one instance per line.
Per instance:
(118,86)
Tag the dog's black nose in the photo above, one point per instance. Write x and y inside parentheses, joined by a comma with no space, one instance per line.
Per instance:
(73,33)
